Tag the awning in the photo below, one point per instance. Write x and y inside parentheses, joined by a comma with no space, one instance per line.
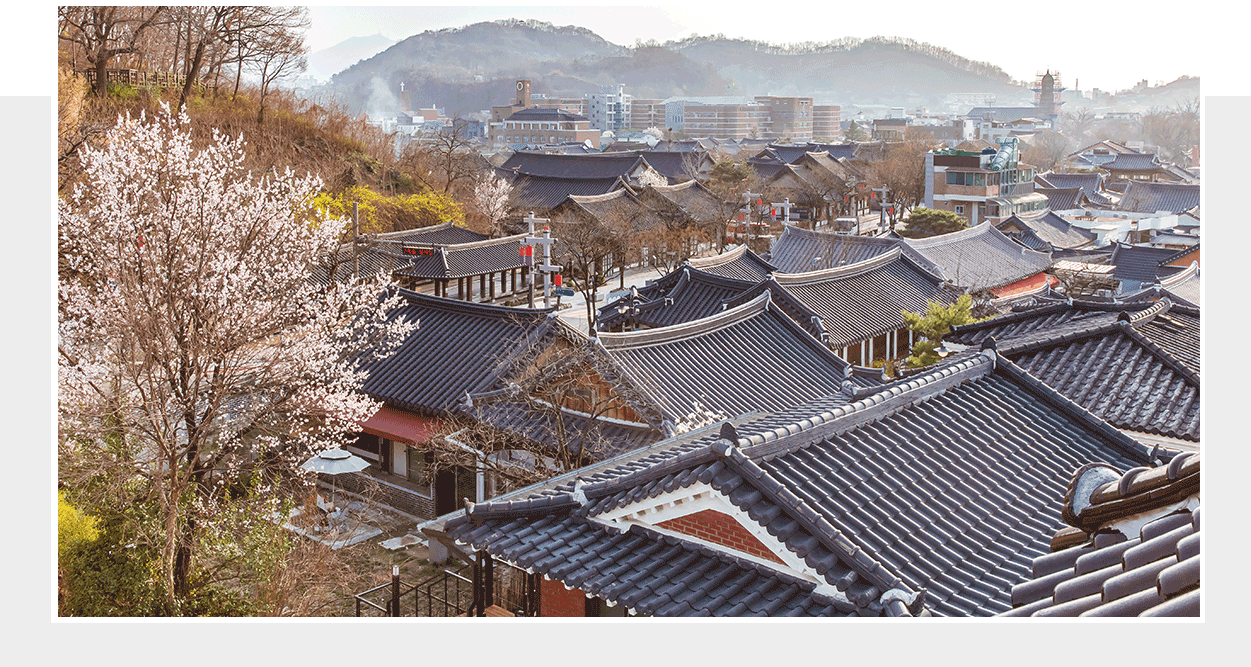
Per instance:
(401,426)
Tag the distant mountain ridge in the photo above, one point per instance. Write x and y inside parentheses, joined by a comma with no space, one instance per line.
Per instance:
(473,67)
(327,62)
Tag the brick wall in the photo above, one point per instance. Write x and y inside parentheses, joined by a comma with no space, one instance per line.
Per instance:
(555,601)
(720,528)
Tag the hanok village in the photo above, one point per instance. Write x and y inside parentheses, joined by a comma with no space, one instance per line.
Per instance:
(732,427)
(637,396)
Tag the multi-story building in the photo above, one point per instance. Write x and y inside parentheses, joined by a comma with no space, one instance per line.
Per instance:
(647,113)
(889,129)
(522,123)
(987,185)
(825,122)
(609,109)
(786,118)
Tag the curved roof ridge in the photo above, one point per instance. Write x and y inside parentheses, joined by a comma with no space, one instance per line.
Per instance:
(615,194)
(1184,274)
(384,236)
(844,271)
(484,243)
(692,329)
(474,306)
(778,440)
(717,260)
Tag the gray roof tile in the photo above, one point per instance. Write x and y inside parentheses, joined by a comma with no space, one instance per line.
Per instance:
(980,257)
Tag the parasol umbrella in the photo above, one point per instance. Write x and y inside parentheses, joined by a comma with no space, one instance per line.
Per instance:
(335,462)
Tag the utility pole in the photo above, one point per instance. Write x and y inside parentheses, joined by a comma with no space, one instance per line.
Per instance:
(881,211)
(786,209)
(747,197)
(546,267)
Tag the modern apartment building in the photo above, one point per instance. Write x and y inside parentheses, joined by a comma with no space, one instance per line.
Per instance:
(609,109)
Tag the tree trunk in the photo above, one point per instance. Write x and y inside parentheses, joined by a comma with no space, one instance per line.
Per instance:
(102,73)
(191,74)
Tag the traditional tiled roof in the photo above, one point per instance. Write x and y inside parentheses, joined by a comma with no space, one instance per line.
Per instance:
(444,234)
(589,436)
(1180,174)
(613,208)
(1147,197)
(459,347)
(675,165)
(1088,183)
(692,198)
(1055,231)
(930,497)
(745,359)
(799,250)
(582,167)
(464,259)
(980,257)
(695,296)
(1179,254)
(768,170)
(1184,286)
(1103,357)
(644,570)
(858,301)
(1134,549)
(1137,265)
(739,264)
(1133,162)
(1061,199)
(541,193)
(785,154)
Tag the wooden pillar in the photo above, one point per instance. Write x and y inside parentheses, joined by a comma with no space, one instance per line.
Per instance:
(512,273)
(482,286)
(493,285)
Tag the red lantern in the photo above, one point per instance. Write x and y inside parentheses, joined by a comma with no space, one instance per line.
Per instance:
(891,210)
(872,195)
(556,279)
(759,202)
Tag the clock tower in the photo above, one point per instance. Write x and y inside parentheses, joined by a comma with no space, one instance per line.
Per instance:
(523,94)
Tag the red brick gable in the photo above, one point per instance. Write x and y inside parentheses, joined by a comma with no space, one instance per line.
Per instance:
(556,600)
(720,528)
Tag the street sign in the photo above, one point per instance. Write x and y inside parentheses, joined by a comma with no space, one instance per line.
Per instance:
(563,291)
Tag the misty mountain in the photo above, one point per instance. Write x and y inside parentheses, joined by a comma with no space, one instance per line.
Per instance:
(327,62)
(471,68)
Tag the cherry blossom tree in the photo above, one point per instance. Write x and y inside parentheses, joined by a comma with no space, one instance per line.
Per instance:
(191,333)
(491,197)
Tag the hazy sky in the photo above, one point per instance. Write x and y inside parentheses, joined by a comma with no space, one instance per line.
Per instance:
(1111,46)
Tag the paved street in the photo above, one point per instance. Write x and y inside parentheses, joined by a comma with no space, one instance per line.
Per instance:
(575,314)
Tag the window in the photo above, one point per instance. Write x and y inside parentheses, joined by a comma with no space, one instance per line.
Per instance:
(955,178)
(417,466)
(960,209)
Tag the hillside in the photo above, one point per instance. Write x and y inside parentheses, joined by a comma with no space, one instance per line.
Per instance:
(471,68)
